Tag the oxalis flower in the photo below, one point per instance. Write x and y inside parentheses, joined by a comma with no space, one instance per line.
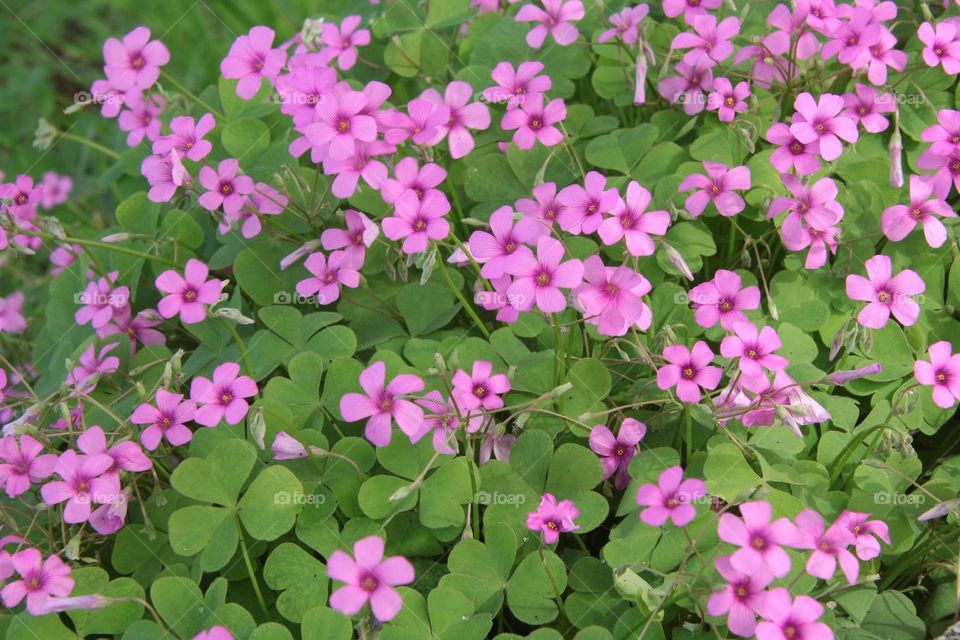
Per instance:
(539,280)
(616,452)
(480,389)
(369,578)
(556,18)
(671,498)
(822,122)
(224,397)
(717,187)
(416,221)
(688,370)
(187,294)
(39,580)
(611,298)
(942,373)
(553,518)
(886,294)
(759,539)
(224,187)
(741,598)
(793,619)
(723,300)
(828,547)
(534,120)
(167,420)
(927,201)
(382,403)
(84,481)
(22,461)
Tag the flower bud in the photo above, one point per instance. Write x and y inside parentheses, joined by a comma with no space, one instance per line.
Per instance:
(640,81)
(286,447)
(116,238)
(291,258)
(258,427)
(230,313)
(562,389)
(845,376)
(896,154)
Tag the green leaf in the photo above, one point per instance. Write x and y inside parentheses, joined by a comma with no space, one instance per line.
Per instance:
(573,469)
(217,478)
(301,579)
(245,139)
(270,506)
(374,496)
(530,592)
(180,604)
(443,494)
(447,13)
(137,214)
(727,474)
(490,179)
(323,623)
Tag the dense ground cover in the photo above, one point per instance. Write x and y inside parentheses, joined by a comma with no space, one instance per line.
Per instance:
(481,319)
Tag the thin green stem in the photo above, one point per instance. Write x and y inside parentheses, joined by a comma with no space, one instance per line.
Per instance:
(463,301)
(182,89)
(241,344)
(89,143)
(250,572)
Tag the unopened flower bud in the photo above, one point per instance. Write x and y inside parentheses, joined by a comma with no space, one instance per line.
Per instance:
(232,314)
(258,427)
(640,81)
(896,154)
(285,447)
(845,376)
(439,362)
(72,550)
(403,492)
(561,390)
(291,258)
(116,238)
(677,261)
(44,135)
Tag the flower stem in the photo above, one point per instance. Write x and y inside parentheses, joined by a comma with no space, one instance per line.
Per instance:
(463,301)
(89,143)
(182,89)
(241,344)
(246,561)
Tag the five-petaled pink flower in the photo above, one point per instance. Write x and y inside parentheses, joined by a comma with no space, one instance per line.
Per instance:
(223,397)
(741,598)
(187,294)
(382,403)
(625,24)
(928,199)
(328,274)
(865,106)
(728,100)
(945,135)
(342,42)
(134,62)
(22,462)
(793,619)
(514,86)
(539,280)
(251,59)
(410,176)
(611,298)
(224,187)
(828,546)
(710,43)
(534,121)
(84,481)
(584,206)
(631,221)
(126,454)
(688,370)
(865,532)
(942,373)
(354,240)
(791,154)
(723,300)
(102,301)
(506,244)
(942,46)
(556,18)
(688,88)
(11,320)
(479,388)
(689,8)
(886,294)
(616,452)
(464,115)
(718,187)
(822,122)
(39,579)
(759,539)
(754,349)
(553,518)
(369,577)
(671,498)
(168,419)
(418,221)
(340,122)
(187,137)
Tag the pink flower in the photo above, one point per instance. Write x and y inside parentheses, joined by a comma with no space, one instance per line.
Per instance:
(947,168)
(464,115)
(717,187)
(828,546)
(741,598)
(885,293)
(945,135)
(23,462)
(479,388)
(92,366)
(126,455)
(688,370)
(754,349)
(302,89)
(689,8)
(513,87)
(544,207)
(264,201)
(850,40)
(223,397)
(791,153)
(866,105)
(883,55)
(553,518)
(421,123)
(251,59)
(383,403)
(354,240)
(899,220)
(790,26)
(224,187)
(342,42)
(56,189)
(942,46)
(611,298)
(418,221)
(139,328)
(420,180)
(328,275)
(341,123)
(865,532)
(214,633)
(625,24)
(711,42)
(942,373)
(823,123)
(723,300)
(632,221)
(188,294)
(584,207)
(539,280)
(766,68)
(688,87)
(102,301)
(727,100)
(85,480)
(369,577)
(109,518)
(359,165)
(23,197)
(285,447)
(39,579)
(134,62)
(187,137)
(534,121)
(617,452)
(141,120)
(671,498)
(811,209)
(556,18)
(759,539)
(164,174)
(167,420)
(505,246)
(498,300)
(496,446)
(442,421)
(796,619)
